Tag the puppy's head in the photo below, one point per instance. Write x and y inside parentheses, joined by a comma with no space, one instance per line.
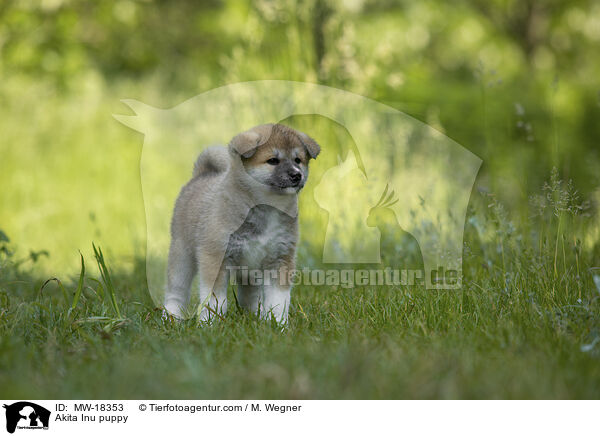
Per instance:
(276,156)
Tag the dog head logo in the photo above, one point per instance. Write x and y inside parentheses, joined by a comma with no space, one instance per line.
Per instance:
(402,179)
(26,415)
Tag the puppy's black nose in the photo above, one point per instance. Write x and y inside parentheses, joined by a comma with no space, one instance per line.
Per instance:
(295,176)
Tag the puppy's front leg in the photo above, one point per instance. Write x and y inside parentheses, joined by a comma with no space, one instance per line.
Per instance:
(276,302)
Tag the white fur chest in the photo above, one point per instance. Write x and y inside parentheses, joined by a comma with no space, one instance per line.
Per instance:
(263,240)
(266,244)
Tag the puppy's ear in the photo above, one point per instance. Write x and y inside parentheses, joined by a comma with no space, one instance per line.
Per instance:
(310,144)
(245,143)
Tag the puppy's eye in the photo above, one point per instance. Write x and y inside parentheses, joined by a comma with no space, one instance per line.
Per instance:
(297,160)
(273,161)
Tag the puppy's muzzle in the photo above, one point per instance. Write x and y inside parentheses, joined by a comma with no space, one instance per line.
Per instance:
(295,177)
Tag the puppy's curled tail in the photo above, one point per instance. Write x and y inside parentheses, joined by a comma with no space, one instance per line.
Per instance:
(213,160)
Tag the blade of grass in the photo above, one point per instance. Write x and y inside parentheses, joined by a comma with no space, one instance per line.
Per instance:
(60,285)
(106,278)
(80,284)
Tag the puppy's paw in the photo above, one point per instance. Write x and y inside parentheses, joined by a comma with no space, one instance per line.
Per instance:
(207,316)
(277,321)
(169,318)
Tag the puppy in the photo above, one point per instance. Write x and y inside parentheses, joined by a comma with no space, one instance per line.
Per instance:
(240,210)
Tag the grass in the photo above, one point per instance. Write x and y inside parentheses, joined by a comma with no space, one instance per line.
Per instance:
(525,325)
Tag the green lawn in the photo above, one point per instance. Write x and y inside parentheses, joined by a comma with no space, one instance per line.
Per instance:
(529,335)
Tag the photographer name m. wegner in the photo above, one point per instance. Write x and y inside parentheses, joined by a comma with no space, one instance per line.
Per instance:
(346,278)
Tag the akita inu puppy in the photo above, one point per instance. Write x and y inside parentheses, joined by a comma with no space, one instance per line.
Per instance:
(240,210)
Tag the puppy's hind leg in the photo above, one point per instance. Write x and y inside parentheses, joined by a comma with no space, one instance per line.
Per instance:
(180,272)
(213,281)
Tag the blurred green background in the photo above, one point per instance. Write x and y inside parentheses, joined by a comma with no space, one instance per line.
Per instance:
(515,82)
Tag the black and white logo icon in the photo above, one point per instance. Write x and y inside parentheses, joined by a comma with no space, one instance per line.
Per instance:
(26,415)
